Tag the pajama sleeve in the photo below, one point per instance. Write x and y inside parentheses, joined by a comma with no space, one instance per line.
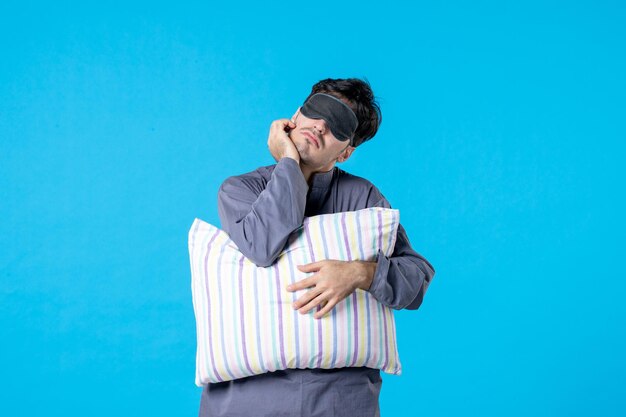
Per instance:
(260,217)
(401,280)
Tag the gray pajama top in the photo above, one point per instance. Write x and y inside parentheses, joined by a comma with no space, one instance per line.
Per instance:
(259,210)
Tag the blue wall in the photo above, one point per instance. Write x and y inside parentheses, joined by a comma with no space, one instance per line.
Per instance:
(502,144)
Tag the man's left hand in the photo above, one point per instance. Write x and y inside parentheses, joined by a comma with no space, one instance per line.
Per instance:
(334,281)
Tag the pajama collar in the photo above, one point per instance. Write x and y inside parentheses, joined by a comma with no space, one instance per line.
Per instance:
(323,179)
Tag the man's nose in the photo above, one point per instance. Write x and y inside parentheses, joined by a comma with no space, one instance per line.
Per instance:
(320,125)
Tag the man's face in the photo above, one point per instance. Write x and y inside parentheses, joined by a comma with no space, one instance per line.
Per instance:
(316,144)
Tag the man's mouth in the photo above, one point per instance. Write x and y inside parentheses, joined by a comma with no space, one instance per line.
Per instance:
(313,138)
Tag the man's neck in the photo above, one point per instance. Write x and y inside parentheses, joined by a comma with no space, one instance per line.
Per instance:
(309,171)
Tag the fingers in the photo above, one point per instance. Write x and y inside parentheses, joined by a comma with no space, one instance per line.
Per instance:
(306,282)
(280,128)
(314,266)
(320,300)
(302,284)
(328,305)
(315,298)
(279,142)
(306,299)
(280,124)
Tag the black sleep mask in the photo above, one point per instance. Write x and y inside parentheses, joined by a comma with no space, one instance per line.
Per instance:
(340,118)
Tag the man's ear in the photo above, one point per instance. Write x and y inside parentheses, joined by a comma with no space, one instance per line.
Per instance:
(345,155)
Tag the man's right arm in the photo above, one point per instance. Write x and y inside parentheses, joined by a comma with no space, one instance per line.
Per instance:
(260,221)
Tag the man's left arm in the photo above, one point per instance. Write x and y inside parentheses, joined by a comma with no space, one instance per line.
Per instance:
(398,281)
(401,280)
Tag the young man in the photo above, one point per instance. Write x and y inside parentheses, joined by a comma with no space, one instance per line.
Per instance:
(260,209)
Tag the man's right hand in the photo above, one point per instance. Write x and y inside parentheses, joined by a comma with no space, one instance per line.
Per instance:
(280,143)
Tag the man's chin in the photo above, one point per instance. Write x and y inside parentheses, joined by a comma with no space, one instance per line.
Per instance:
(305,161)
(303,152)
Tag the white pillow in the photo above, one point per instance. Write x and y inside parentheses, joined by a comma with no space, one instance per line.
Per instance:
(245,321)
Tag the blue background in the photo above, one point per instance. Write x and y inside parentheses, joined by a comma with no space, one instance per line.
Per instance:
(502,144)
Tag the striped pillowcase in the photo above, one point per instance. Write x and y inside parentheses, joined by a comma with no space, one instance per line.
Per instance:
(245,321)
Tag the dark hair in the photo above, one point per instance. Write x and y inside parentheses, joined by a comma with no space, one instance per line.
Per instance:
(359,96)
